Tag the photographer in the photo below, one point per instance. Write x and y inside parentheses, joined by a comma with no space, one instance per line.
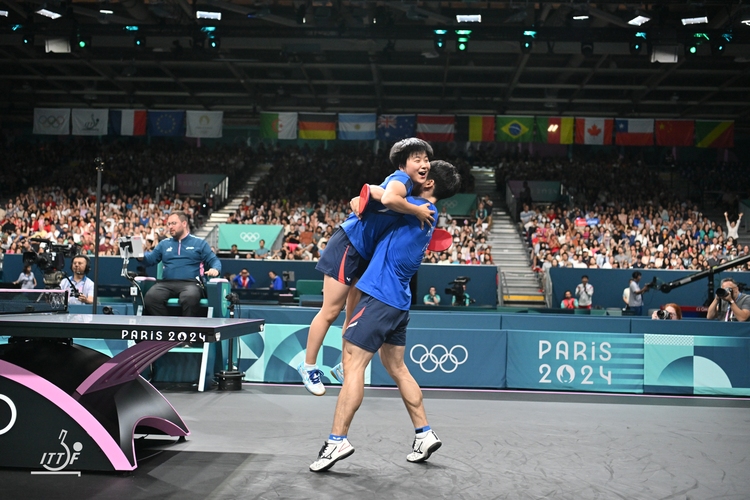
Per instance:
(669,311)
(729,304)
(461,298)
(80,287)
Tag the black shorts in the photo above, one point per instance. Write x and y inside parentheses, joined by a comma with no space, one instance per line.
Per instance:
(375,323)
(340,260)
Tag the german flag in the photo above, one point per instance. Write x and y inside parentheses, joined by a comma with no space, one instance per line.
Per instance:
(318,126)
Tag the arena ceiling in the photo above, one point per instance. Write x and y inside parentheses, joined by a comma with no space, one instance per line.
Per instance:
(361,55)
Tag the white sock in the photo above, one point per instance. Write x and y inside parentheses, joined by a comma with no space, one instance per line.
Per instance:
(311,367)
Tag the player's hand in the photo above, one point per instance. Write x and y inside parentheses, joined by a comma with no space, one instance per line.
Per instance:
(354,205)
(212,272)
(424,214)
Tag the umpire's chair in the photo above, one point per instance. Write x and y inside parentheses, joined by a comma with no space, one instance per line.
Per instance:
(175,367)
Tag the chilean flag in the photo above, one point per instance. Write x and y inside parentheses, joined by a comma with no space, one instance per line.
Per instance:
(127,121)
(634,132)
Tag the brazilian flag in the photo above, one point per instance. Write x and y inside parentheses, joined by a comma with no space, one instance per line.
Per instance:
(514,128)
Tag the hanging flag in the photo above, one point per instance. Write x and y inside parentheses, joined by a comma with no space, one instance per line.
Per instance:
(356,126)
(393,128)
(89,121)
(128,121)
(318,126)
(674,132)
(166,123)
(52,121)
(436,128)
(278,125)
(597,131)
(555,129)
(634,132)
(475,128)
(204,123)
(714,134)
(515,128)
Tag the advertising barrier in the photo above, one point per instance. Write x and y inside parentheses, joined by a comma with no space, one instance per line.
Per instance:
(441,358)
(247,236)
(571,361)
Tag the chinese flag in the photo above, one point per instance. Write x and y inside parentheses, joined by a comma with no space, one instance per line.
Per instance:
(674,132)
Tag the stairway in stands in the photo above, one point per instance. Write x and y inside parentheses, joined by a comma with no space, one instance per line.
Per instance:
(220,215)
(518,285)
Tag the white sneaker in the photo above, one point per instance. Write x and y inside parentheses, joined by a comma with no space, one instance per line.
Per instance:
(424,447)
(311,379)
(331,453)
(338,373)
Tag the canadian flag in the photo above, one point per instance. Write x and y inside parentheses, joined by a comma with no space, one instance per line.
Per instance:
(594,131)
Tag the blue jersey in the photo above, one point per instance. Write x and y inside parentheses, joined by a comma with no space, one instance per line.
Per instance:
(364,233)
(396,259)
(182,259)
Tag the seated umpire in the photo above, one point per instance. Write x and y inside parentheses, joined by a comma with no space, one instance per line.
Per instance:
(181,256)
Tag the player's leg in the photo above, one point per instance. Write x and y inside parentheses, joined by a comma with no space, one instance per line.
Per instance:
(352,299)
(155,301)
(337,447)
(426,442)
(334,297)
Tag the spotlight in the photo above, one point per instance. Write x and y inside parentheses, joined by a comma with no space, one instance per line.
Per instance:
(696,19)
(587,48)
(139,41)
(635,47)
(439,37)
(28,39)
(83,42)
(639,19)
(214,42)
(462,40)
(527,41)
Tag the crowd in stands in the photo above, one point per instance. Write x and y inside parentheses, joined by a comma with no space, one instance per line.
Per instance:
(622,215)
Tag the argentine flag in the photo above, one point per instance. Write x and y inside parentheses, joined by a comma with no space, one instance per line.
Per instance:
(357,126)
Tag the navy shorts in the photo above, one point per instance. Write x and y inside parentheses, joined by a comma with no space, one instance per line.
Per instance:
(340,260)
(375,323)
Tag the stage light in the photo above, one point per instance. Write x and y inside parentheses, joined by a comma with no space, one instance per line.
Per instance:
(527,41)
(139,41)
(698,19)
(130,28)
(83,42)
(462,40)
(469,18)
(214,42)
(49,13)
(106,12)
(28,39)
(3,13)
(639,19)
(439,37)
(635,47)
(204,14)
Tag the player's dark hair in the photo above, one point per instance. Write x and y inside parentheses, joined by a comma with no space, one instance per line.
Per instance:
(446,177)
(403,149)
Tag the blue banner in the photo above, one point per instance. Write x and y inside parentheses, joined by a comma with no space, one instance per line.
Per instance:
(443,358)
(571,361)
(166,123)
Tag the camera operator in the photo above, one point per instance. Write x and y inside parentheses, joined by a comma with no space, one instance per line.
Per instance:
(80,287)
(635,300)
(669,311)
(729,304)
(462,298)
(182,256)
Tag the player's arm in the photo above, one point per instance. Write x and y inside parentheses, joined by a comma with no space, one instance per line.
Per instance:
(394,198)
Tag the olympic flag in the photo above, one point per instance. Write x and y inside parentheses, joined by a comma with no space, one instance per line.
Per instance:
(52,121)
(204,123)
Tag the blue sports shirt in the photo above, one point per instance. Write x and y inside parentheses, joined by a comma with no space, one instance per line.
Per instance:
(182,258)
(396,259)
(364,233)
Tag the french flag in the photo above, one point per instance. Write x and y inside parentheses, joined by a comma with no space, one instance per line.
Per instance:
(127,121)
(634,132)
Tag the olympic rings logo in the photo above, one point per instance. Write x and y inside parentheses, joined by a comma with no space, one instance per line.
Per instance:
(450,204)
(446,357)
(13,413)
(51,121)
(249,237)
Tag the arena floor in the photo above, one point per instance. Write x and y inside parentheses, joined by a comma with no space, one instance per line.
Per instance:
(258,443)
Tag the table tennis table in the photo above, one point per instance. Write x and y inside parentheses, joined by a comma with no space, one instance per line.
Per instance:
(65,407)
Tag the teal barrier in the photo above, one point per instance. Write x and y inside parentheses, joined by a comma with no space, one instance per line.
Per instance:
(247,236)
(459,204)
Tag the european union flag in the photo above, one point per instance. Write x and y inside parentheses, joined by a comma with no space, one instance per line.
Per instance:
(393,128)
(166,123)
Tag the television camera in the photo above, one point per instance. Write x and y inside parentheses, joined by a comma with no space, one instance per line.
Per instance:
(457,290)
(50,259)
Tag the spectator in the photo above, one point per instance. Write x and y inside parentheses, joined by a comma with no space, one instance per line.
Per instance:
(243,280)
(276,282)
(26,279)
(568,301)
(584,293)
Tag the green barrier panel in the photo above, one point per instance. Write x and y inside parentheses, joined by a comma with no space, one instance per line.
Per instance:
(460,204)
(247,236)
